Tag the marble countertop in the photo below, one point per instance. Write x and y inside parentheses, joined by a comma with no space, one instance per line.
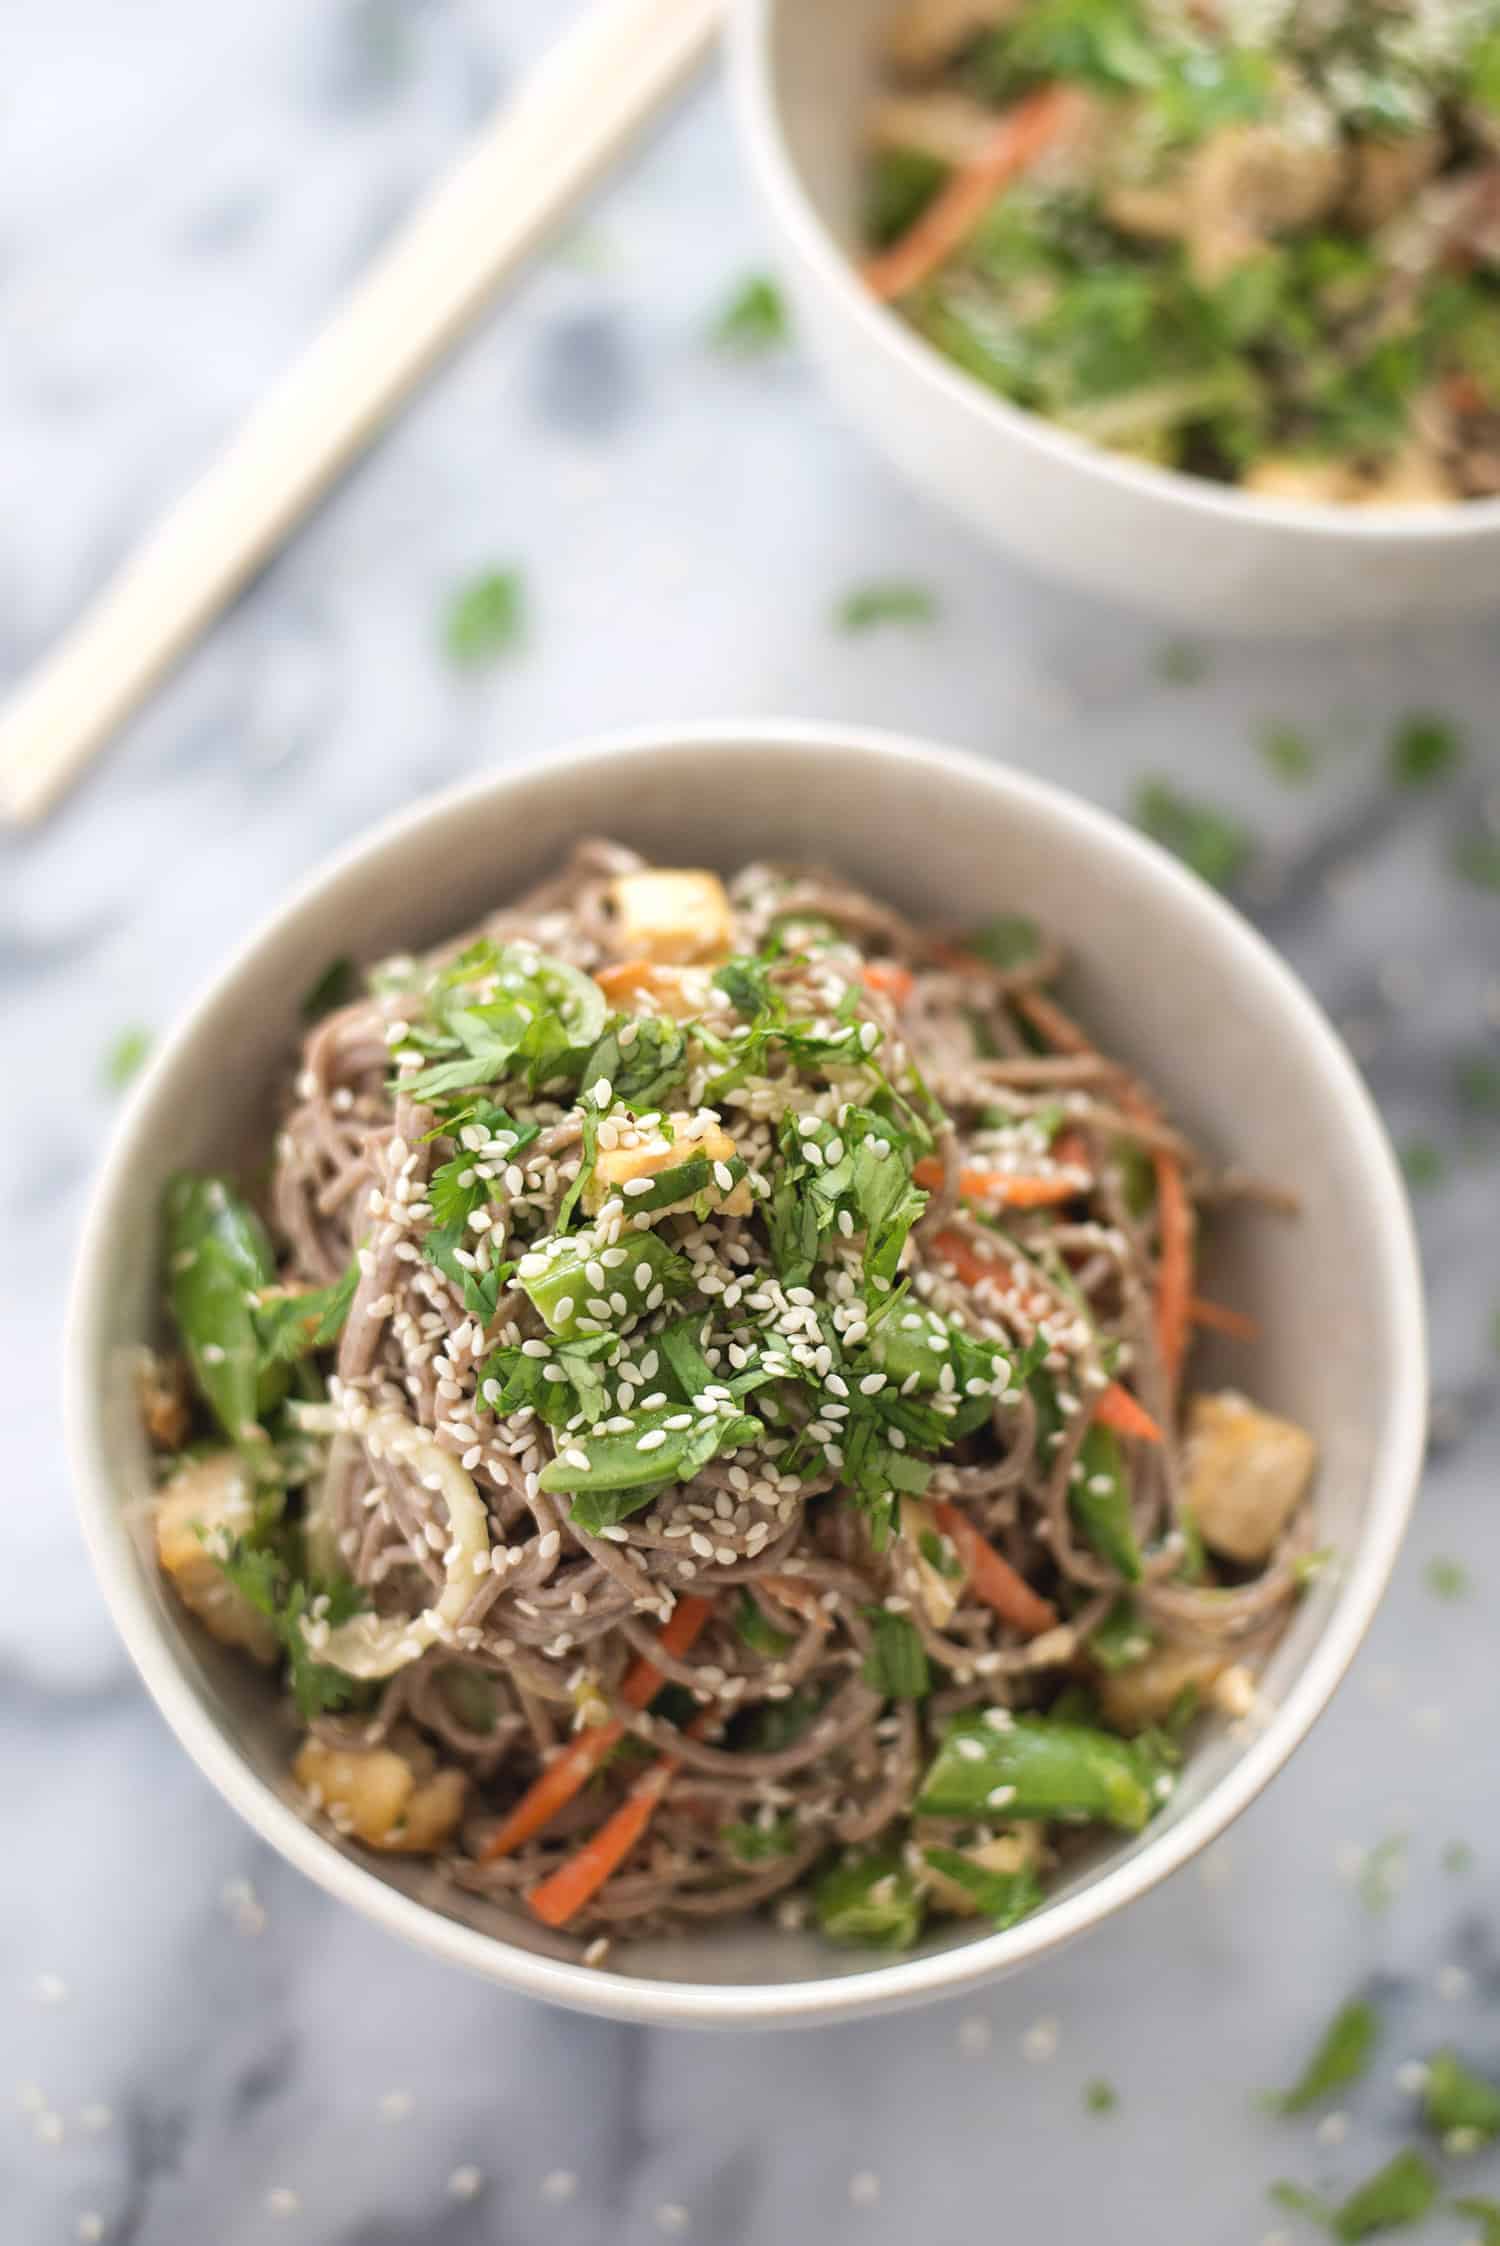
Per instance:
(194,2044)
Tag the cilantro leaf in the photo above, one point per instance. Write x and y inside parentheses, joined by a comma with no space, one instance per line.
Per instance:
(756,1844)
(1425,749)
(1214,845)
(262,1573)
(289,1327)
(1456,2099)
(1010,939)
(757,1633)
(1401,2192)
(1343,2055)
(885,601)
(754,319)
(644,1071)
(486,618)
(126,1057)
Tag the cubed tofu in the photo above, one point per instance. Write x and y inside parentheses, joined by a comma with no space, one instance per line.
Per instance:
(639,987)
(199,1512)
(653,1153)
(926,33)
(1246,1474)
(939,1592)
(1146,1693)
(677,919)
(1018,1850)
(399,1803)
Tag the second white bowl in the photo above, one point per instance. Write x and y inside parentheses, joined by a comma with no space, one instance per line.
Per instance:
(1200,554)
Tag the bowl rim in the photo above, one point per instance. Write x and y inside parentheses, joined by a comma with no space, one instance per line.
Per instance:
(908,1981)
(750,30)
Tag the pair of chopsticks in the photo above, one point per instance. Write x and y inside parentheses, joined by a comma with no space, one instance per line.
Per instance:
(602,81)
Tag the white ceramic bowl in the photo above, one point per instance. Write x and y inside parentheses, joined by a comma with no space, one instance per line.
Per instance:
(1184,988)
(1198,553)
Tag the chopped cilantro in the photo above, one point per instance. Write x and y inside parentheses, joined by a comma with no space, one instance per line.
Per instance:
(1424,749)
(263,1574)
(901,183)
(897,1663)
(755,1844)
(1298,2200)
(542,1020)
(1424,1163)
(1401,2192)
(1454,2099)
(1343,2055)
(754,320)
(292,1326)
(885,601)
(1100,2096)
(1484,2212)
(1179,663)
(1447,1579)
(1383,1873)
(1216,846)
(1457,1858)
(871,1899)
(1010,939)
(486,618)
(125,1057)
(1476,1079)
(338,983)
(1289,753)
(644,1071)
(1476,859)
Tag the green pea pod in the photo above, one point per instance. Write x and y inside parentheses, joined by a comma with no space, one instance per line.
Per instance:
(1037,1767)
(1099,1502)
(576,1305)
(872,1900)
(218,1255)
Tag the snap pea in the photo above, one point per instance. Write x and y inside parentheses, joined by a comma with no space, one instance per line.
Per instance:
(1037,1767)
(1099,1501)
(871,1899)
(558,1282)
(217,1256)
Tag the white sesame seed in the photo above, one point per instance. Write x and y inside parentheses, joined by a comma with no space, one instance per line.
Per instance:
(975,2035)
(652,1440)
(671,2217)
(864,2188)
(280,2200)
(397,2105)
(560,2184)
(95,2119)
(465,2182)
(50,1988)
(90,2227)
(1333,2129)
(1453,1983)
(1411,2077)
(1039,2043)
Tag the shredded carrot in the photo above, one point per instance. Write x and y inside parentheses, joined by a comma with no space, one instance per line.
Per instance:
(1463,394)
(570,1771)
(1220,1319)
(890,979)
(1022,135)
(1003,1188)
(994,1579)
(971,1268)
(563,1893)
(626,976)
(1119,1410)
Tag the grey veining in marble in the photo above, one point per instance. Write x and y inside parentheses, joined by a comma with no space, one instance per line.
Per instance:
(196,2047)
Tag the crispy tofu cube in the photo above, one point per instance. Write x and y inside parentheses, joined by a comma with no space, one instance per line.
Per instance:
(939,1592)
(1246,1474)
(1018,1850)
(926,32)
(638,987)
(1146,1693)
(399,1803)
(202,1509)
(676,919)
(653,1153)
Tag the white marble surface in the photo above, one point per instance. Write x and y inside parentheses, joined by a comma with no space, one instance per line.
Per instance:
(184,190)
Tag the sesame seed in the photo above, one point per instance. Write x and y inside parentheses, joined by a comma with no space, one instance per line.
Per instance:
(864,2188)
(280,2200)
(1039,2043)
(465,2182)
(397,2105)
(975,2035)
(671,2217)
(559,2185)
(90,2227)
(653,1440)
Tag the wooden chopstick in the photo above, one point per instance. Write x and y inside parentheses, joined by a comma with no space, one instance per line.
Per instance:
(601,82)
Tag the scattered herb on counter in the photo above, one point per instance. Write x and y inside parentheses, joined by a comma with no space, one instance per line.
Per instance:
(1179,663)
(1485,2212)
(338,983)
(1457,1858)
(125,1057)
(1343,2055)
(1216,846)
(1298,2200)
(1456,2102)
(1423,1163)
(1476,859)
(1401,2192)
(1476,1079)
(754,319)
(1289,753)
(1100,2096)
(486,618)
(1447,1579)
(1424,749)
(1383,1874)
(885,601)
